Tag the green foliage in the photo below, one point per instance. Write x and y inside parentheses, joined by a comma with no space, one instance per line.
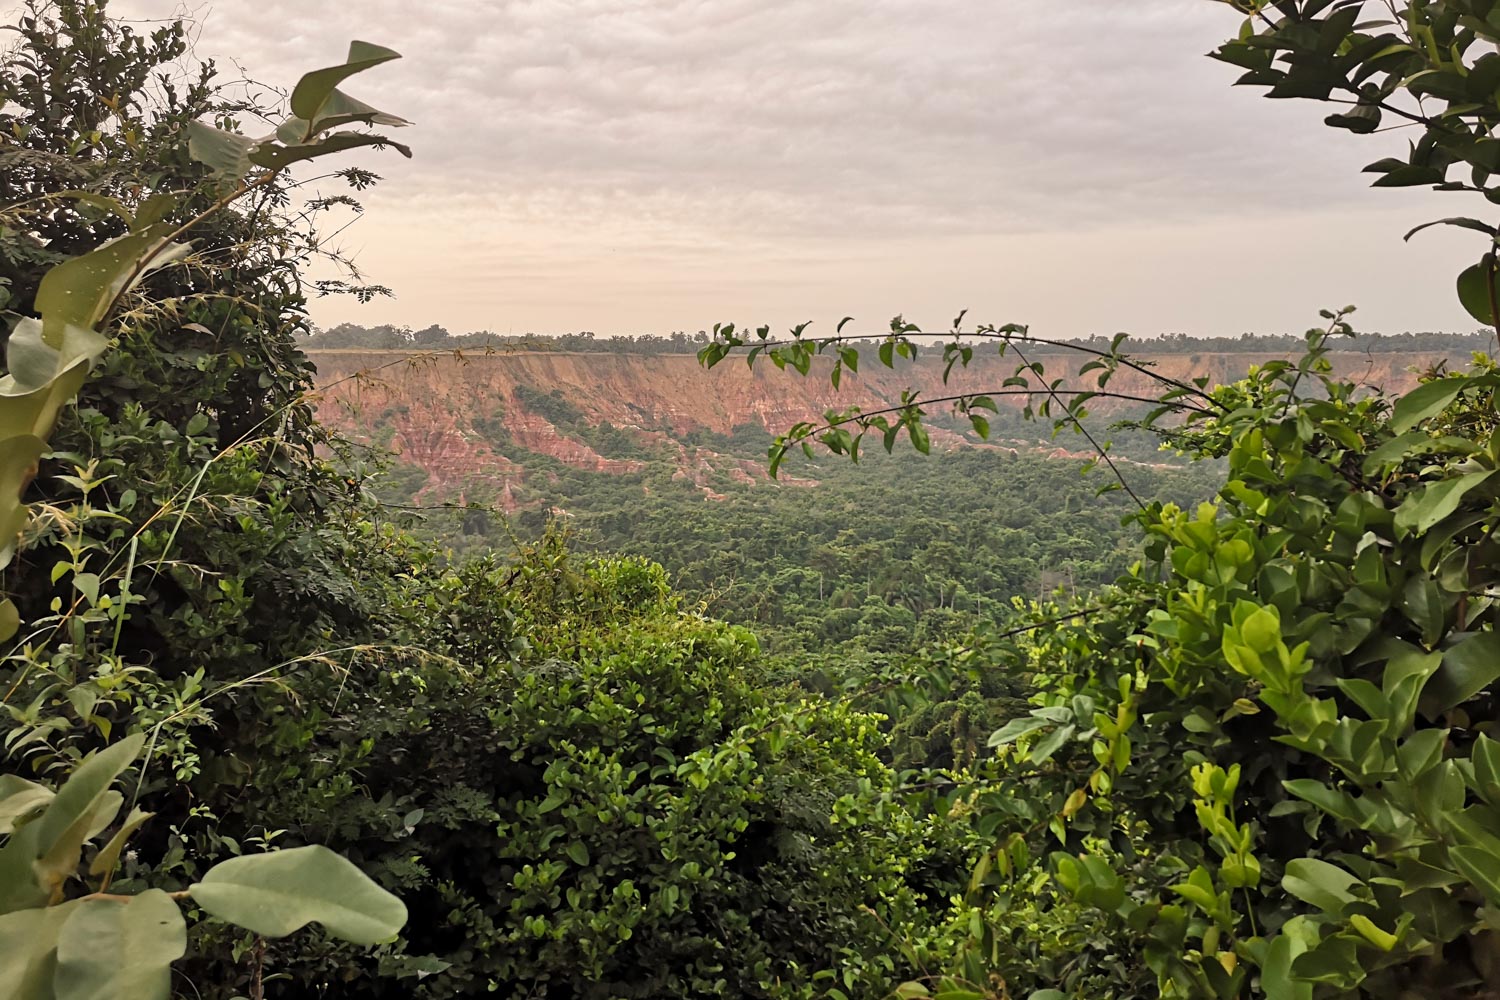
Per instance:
(104,944)
(111,945)
(1261,758)
(603,803)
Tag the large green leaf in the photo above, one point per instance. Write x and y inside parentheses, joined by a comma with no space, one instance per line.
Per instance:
(1015,729)
(274,157)
(314,90)
(79,291)
(1481,868)
(10,615)
(1048,745)
(275,894)
(1276,970)
(120,950)
(71,816)
(28,950)
(338,110)
(1317,882)
(20,888)
(1435,501)
(18,463)
(109,854)
(1425,401)
(1468,667)
(1335,962)
(222,152)
(1479,288)
(42,379)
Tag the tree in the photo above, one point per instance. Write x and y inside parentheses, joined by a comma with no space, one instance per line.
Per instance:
(107,943)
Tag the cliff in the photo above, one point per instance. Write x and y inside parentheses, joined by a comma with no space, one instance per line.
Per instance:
(472,423)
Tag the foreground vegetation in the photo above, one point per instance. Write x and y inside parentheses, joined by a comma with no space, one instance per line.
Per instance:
(1262,761)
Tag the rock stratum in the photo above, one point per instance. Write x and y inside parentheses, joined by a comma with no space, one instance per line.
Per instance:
(473,423)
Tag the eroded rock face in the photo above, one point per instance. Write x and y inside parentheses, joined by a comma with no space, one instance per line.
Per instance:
(457,419)
(534,433)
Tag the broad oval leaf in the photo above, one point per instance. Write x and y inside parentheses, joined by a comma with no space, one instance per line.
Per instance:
(114,950)
(109,855)
(222,152)
(1015,729)
(314,89)
(1427,506)
(1317,882)
(1426,400)
(72,815)
(1468,667)
(1479,288)
(275,894)
(28,949)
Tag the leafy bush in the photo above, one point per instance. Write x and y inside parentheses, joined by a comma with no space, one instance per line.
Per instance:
(106,943)
(601,801)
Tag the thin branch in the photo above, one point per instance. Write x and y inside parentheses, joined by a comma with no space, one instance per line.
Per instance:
(1103,453)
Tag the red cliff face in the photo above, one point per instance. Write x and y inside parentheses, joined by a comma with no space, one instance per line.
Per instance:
(453,417)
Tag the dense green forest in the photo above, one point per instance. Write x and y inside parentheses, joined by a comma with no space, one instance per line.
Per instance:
(845,566)
(965,727)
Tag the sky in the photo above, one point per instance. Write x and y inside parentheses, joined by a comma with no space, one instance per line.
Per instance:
(645,166)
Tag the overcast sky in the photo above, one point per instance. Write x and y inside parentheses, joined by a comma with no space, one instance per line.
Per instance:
(630,166)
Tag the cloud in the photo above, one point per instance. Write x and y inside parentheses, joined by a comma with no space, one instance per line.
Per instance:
(558,134)
(863,115)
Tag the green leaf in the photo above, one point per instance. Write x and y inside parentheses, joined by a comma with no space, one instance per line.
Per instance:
(10,615)
(1424,402)
(109,854)
(313,91)
(72,815)
(338,110)
(153,210)
(111,950)
(1480,867)
(579,852)
(1319,883)
(20,888)
(20,800)
(1331,801)
(100,201)
(1468,668)
(18,463)
(275,894)
(919,437)
(79,291)
(1050,744)
(1460,221)
(28,950)
(1406,673)
(1335,961)
(223,152)
(1276,970)
(1015,729)
(1485,756)
(274,157)
(1397,449)
(1372,932)
(1478,285)
(1422,603)
(1424,508)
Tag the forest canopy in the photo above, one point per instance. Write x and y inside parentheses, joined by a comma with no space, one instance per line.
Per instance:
(266,738)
